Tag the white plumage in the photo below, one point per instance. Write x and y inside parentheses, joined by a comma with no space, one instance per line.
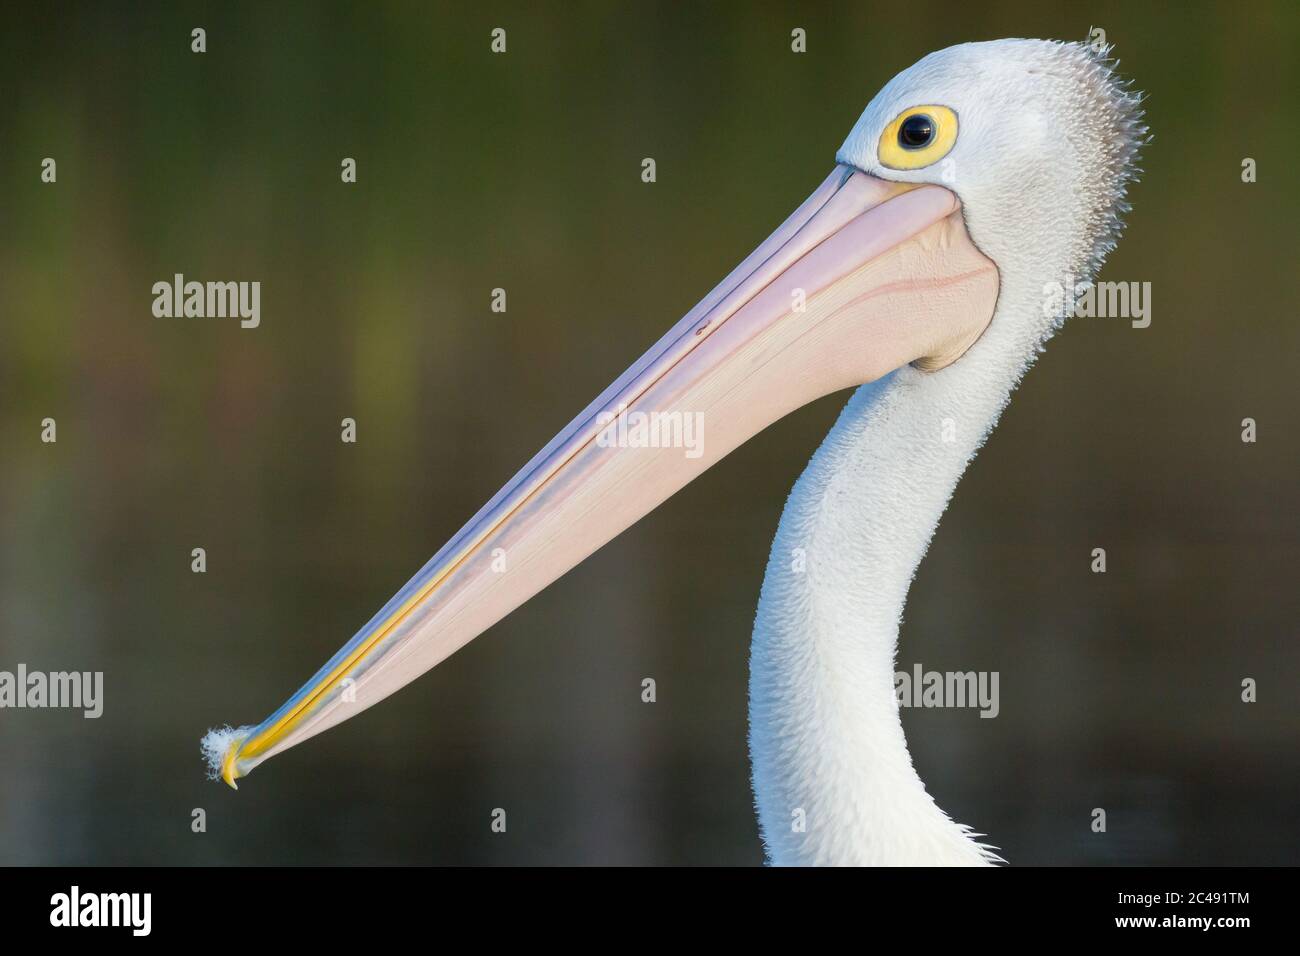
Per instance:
(1046,150)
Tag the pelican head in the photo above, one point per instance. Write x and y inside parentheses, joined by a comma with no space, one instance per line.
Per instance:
(1038,139)
(915,270)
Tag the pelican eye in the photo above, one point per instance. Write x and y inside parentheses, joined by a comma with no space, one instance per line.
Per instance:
(918,137)
(916,131)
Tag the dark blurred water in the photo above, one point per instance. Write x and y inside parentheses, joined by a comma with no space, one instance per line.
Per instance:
(522,171)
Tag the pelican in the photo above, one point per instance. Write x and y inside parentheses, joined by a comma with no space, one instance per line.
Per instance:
(916,271)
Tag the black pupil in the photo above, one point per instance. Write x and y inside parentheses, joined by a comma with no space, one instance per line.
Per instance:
(916,131)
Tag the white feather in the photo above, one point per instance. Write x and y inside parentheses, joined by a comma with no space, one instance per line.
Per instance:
(1047,144)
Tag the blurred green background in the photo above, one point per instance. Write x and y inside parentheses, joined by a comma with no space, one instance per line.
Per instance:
(522,171)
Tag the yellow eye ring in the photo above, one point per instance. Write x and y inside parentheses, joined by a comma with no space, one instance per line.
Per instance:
(918,137)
